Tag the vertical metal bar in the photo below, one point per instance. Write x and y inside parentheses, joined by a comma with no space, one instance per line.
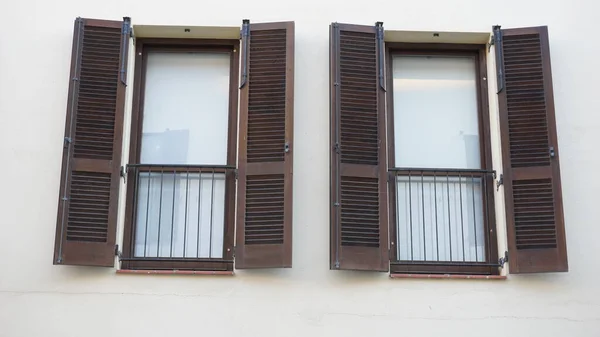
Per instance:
(159,211)
(147,210)
(423,211)
(212,190)
(397,187)
(187,192)
(486,220)
(69,138)
(437,241)
(410,214)
(125,32)
(379,27)
(499,57)
(462,225)
(474,215)
(199,212)
(449,222)
(134,209)
(337,111)
(245,36)
(173,211)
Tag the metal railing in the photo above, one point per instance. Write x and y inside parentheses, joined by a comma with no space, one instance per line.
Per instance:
(178,212)
(441,215)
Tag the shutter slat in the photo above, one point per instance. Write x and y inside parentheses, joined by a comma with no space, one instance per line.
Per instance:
(359,223)
(87,213)
(534,213)
(264,228)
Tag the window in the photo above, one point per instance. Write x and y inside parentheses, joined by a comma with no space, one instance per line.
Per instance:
(440,161)
(205,189)
(182,207)
(411,147)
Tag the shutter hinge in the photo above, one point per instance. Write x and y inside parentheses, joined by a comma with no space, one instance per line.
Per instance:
(286,147)
(126,32)
(336,204)
(499,57)
(235,172)
(123,174)
(337,148)
(380,54)
(117,252)
(245,34)
(336,265)
(68,141)
(552,152)
(499,182)
(490,44)
(233,251)
(503,260)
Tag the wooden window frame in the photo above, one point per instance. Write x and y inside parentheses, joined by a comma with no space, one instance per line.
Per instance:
(480,53)
(143,46)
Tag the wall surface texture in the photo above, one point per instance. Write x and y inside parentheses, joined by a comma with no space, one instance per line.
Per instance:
(39,299)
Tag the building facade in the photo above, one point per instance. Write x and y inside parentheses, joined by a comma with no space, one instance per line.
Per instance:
(283,169)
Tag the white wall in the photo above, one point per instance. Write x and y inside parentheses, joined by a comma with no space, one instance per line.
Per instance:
(39,299)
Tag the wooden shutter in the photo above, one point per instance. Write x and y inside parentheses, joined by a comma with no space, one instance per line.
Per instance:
(532,188)
(359,225)
(264,214)
(89,188)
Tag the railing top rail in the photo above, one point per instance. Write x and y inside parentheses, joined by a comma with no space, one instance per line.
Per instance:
(441,170)
(230,167)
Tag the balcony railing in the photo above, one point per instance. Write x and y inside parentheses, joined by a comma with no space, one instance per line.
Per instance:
(178,212)
(442,216)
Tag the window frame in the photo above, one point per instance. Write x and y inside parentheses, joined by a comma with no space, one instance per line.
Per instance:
(142,48)
(425,267)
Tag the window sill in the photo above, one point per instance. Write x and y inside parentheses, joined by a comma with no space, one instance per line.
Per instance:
(448,276)
(174,272)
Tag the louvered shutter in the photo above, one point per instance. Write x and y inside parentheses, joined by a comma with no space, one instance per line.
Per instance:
(89,187)
(264,214)
(532,188)
(359,226)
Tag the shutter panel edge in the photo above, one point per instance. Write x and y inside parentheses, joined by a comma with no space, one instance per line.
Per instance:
(254,251)
(537,243)
(87,211)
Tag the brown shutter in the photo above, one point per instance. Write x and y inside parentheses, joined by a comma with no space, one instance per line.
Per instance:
(89,187)
(534,210)
(359,225)
(264,214)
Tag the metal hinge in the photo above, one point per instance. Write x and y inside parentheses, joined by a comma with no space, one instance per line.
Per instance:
(380,55)
(337,148)
(490,44)
(117,252)
(235,172)
(336,265)
(68,141)
(233,251)
(245,34)
(503,260)
(499,182)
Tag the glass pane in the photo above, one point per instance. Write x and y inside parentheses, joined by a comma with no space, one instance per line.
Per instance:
(435,112)
(440,219)
(180,215)
(186,104)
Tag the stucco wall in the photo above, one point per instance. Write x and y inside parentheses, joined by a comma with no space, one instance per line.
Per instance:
(39,299)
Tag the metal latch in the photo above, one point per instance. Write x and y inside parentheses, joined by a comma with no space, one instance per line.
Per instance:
(499,182)
(503,260)
(123,174)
